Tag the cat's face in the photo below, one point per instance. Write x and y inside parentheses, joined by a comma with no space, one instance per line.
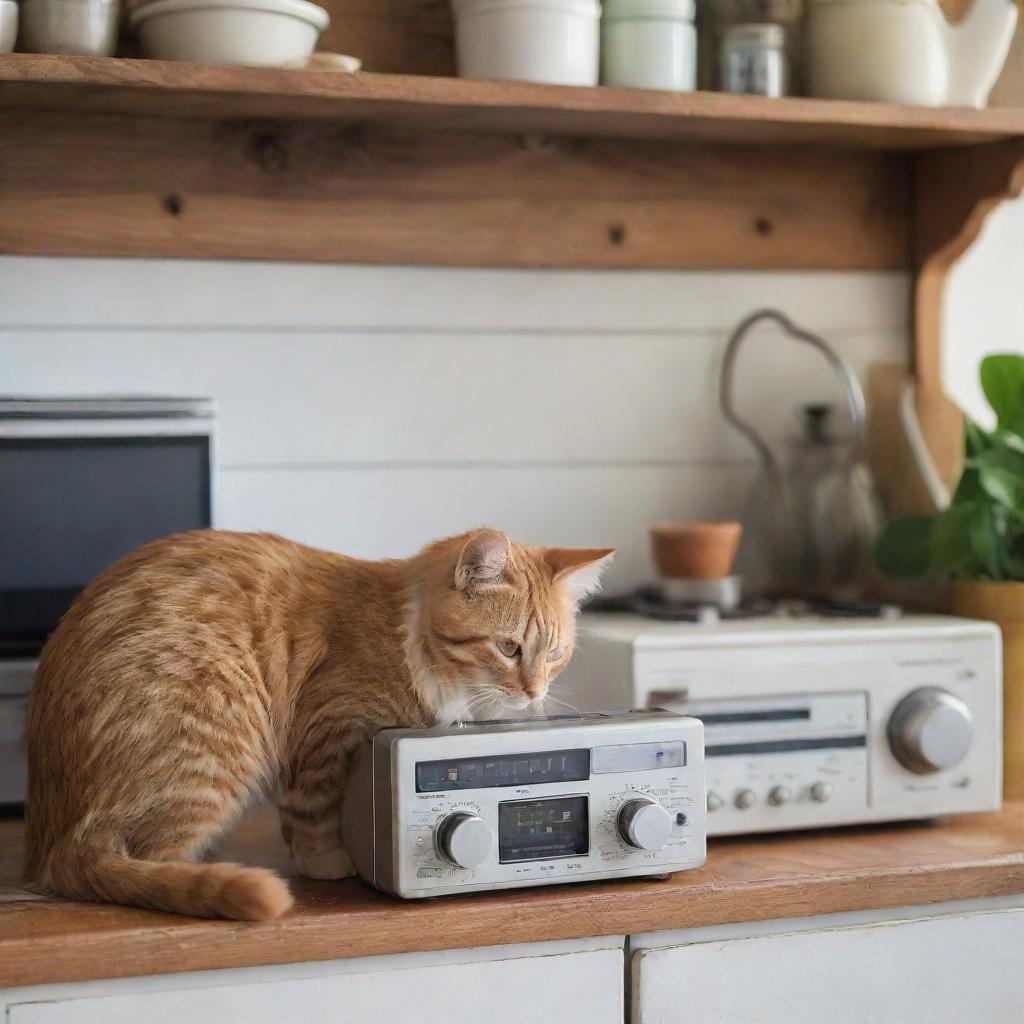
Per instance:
(505,625)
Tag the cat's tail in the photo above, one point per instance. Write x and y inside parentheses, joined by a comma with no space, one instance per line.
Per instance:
(201,890)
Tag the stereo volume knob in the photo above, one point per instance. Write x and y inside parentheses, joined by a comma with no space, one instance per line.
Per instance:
(645,824)
(930,730)
(465,840)
(821,792)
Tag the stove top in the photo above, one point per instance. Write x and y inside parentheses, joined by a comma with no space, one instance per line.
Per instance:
(651,603)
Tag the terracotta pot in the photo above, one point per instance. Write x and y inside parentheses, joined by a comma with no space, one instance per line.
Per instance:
(696,551)
(1003,604)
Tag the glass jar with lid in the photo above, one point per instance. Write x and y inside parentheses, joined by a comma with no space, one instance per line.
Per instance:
(753,60)
(715,17)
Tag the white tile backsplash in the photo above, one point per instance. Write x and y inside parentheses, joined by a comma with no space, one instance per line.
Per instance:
(369,409)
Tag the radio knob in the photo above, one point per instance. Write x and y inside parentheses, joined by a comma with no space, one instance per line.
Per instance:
(745,799)
(780,795)
(645,824)
(465,840)
(713,801)
(821,791)
(930,730)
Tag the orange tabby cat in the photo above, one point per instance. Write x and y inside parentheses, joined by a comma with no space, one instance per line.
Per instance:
(208,668)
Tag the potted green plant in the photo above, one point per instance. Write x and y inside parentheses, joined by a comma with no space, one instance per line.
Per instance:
(978,542)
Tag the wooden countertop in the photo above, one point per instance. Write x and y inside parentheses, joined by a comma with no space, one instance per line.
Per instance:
(791,875)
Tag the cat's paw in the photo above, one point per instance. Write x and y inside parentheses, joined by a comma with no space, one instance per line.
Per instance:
(327,863)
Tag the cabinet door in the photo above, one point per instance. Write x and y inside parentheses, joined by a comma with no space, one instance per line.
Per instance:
(955,969)
(584,986)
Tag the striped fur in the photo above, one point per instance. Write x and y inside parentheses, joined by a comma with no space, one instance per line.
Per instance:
(209,669)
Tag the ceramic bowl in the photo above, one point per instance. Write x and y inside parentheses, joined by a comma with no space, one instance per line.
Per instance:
(696,551)
(254,33)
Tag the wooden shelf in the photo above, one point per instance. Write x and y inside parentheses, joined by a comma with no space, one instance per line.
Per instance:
(162,89)
(754,879)
(116,157)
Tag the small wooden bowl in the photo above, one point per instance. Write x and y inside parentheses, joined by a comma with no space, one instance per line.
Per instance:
(695,551)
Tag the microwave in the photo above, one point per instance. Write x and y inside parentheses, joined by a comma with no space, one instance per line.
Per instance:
(84,481)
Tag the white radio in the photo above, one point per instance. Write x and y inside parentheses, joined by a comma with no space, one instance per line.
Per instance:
(492,805)
(813,721)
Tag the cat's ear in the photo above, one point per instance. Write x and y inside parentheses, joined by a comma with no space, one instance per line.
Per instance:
(483,559)
(578,570)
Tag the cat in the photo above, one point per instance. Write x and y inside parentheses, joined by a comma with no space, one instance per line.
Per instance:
(210,668)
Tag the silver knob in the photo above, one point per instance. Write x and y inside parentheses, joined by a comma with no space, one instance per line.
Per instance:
(930,730)
(780,795)
(713,802)
(821,791)
(745,798)
(645,824)
(465,840)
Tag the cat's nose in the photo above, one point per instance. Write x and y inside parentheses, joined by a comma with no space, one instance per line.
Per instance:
(534,688)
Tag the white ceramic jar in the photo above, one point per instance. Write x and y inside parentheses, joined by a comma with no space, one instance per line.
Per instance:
(887,51)
(649,44)
(551,41)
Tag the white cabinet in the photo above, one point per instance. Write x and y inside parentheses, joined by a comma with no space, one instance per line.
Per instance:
(954,963)
(546,982)
(952,968)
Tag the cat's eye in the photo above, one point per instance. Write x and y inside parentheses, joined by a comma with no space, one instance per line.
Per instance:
(510,648)
(555,654)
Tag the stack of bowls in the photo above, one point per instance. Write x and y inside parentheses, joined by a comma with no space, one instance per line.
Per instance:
(253,33)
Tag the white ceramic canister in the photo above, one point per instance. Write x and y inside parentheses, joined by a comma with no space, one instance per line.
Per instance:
(649,44)
(881,50)
(551,41)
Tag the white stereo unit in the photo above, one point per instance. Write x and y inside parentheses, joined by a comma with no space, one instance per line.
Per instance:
(813,721)
(494,805)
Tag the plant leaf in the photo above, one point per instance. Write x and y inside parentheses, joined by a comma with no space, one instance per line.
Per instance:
(976,439)
(981,534)
(1006,439)
(1001,476)
(904,549)
(985,533)
(951,551)
(968,487)
(1002,380)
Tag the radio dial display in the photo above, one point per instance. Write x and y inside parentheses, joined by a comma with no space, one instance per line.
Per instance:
(505,770)
(543,829)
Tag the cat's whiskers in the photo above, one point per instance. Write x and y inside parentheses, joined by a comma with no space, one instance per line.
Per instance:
(563,703)
(480,697)
(562,688)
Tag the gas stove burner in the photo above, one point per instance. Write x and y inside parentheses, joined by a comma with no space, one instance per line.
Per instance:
(652,603)
(830,608)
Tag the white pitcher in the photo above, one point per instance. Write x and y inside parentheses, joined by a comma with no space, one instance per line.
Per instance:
(905,51)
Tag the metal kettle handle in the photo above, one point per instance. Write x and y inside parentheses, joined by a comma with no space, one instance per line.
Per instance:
(851,385)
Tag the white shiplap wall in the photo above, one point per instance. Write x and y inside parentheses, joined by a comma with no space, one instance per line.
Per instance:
(370,409)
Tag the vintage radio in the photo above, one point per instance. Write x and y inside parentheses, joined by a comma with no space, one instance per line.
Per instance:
(492,805)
